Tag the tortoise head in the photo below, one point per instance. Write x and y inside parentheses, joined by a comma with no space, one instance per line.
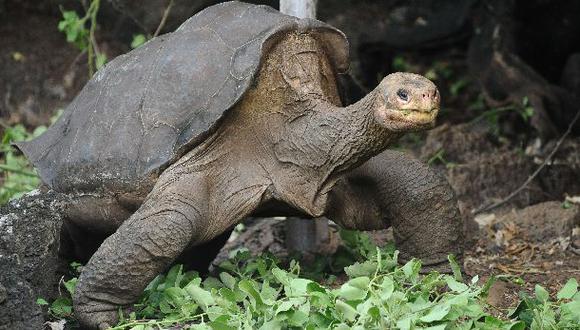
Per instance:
(406,102)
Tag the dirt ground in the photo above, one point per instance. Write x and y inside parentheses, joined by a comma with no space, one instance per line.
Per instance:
(535,236)
(39,71)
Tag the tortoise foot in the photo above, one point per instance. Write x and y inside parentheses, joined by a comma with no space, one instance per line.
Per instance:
(97,315)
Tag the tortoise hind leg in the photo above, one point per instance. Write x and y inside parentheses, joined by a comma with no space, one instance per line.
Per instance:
(396,189)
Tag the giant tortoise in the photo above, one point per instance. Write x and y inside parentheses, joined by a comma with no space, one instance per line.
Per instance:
(237,113)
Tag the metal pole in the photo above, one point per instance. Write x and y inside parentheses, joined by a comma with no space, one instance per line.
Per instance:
(307,236)
(299,8)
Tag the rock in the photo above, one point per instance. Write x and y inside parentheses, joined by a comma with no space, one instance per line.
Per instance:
(29,242)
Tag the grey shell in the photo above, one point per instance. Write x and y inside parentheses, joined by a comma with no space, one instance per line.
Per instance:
(145,109)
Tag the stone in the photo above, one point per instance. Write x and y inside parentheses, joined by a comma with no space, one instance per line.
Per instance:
(29,242)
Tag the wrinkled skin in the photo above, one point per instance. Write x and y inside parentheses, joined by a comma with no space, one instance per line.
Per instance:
(286,147)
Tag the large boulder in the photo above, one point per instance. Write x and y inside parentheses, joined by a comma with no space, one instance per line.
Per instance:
(29,264)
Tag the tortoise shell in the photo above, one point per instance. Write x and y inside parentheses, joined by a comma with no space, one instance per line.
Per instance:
(145,109)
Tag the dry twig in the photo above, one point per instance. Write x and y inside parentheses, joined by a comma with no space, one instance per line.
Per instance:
(536,172)
(163,19)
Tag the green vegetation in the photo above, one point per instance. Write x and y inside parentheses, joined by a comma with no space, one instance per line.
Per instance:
(439,157)
(378,293)
(492,116)
(83,36)
(17,176)
(138,40)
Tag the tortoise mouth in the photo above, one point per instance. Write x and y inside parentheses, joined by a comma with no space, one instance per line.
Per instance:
(413,117)
(397,119)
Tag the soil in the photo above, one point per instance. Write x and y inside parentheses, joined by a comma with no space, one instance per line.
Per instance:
(39,71)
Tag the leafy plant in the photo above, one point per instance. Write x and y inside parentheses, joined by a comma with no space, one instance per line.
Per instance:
(439,157)
(77,33)
(256,293)
(540,312)
(492,116)
(18,177)
(138,40)
(378,293)
(62,307)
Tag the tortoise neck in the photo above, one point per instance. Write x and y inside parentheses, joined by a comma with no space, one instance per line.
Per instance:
(315,148)
(357,135)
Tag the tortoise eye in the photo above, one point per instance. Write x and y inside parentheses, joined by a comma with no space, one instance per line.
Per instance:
(403,95)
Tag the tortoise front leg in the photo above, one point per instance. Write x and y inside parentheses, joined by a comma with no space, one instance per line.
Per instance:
(396,189)
(128,260)
(185,209)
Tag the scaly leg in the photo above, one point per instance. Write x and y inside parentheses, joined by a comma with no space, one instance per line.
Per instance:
(184,209)
(396,189)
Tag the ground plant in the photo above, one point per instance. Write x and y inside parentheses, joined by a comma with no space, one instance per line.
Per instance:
(80,31)
(375,292)
(17,176)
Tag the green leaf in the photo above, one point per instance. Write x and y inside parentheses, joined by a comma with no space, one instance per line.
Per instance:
(404,324)
(570,312)
(568,290)
(298,318)
(436,313)
(411,269)
(41,302)
(455,268)
(387,288)
(282,276)
(138,40)
(437,327)
(100,61)
(360,282)
(454,285)
(297,287)
(228,280)
(355,289)
(61,307)
(221,323)
(271,325)
(175,296)
(200,296)
(70,285)
(366,268)
(174,276)
(346,310)
(519,325)
(249,287)
(541,293)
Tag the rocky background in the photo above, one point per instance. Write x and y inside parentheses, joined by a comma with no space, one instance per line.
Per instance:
(508,72)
